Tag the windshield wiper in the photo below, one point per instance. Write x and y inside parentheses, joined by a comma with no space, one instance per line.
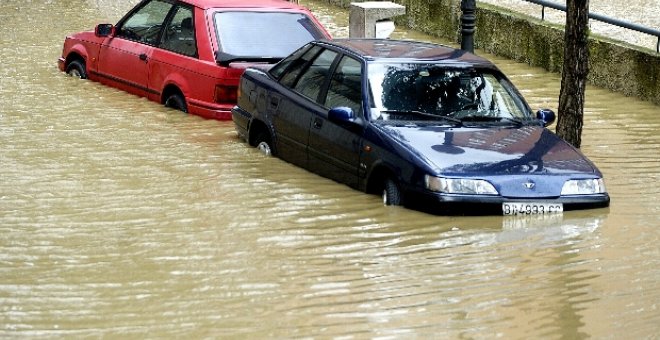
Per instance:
(424,114)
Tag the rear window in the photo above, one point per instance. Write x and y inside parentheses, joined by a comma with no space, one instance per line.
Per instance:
(264,34)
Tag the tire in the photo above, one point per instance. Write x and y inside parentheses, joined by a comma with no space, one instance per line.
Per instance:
(264,144)
(391,193)
(176,101)
(77,69)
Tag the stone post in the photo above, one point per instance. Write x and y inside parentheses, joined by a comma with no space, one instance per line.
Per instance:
(364,15)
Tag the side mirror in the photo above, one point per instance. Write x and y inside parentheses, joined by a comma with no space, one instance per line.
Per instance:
(104,30)
(547,116)
(341,114)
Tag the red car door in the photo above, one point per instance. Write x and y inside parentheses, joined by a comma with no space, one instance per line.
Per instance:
(124,64)
(124,58)
(175,62)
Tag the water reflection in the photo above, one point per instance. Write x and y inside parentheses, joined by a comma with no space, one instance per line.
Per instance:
(443,274)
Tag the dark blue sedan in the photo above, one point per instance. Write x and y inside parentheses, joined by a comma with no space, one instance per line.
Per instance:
(423,125)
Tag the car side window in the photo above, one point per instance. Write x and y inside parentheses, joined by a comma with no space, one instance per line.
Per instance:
(179,34)
(297,66)
(313,79)
(279,69)
(145,24)
(346,85)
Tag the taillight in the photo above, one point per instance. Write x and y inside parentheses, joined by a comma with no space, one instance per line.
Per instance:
(226,94)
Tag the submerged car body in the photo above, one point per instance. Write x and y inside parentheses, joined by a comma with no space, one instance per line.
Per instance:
(189,54)
(424,125)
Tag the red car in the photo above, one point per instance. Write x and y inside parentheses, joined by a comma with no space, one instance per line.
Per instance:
(189,54)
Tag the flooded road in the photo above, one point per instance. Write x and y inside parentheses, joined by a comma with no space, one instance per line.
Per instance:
(120,218)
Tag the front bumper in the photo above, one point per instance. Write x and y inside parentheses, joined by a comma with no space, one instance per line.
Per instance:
(61,64)
(446,204)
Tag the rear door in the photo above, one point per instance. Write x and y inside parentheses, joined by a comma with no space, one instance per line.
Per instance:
(293,112)
(334,148)
(124,59)
(176,59)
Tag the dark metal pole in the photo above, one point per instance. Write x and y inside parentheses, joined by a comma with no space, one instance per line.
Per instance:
(468,21)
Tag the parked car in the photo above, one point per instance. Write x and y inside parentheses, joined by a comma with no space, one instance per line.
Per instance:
(423,125)
(189,54)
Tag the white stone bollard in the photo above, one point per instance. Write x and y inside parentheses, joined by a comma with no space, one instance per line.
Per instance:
(365,16)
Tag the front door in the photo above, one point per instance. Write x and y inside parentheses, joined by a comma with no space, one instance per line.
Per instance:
(124,58)
(335,148)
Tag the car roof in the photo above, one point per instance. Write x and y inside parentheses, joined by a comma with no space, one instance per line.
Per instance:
(407,50)
(275,4)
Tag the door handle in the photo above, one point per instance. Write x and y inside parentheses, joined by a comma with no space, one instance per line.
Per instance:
(318,123)
(143,57)
(274,102)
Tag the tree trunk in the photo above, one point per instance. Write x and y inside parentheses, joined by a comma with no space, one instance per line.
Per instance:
(574,74)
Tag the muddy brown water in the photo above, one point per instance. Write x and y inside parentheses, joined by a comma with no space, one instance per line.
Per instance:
(122,219)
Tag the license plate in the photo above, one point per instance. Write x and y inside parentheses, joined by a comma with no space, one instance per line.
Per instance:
(531,208)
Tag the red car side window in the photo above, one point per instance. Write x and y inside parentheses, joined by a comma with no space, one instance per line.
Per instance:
(179,33)
(146,23)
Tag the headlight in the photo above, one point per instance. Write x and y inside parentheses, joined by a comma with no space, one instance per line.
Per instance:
(583,187)
(459,186)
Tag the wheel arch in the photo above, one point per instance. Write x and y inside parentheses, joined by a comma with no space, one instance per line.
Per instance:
(256,127)
(75,55)
(76,49)
(376,179)
(169,90)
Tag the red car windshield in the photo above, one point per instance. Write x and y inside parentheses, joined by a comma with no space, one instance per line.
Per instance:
(264,34)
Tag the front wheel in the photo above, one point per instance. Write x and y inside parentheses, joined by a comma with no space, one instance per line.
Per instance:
(176,102)
(77,69)
(391,193)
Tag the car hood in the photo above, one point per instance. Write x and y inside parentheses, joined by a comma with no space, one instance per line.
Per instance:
(88,36)
(526,162)
(482,151)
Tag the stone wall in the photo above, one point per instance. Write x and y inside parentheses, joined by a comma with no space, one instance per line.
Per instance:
(617,66)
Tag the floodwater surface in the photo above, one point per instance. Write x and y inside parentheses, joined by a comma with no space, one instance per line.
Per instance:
(120,218)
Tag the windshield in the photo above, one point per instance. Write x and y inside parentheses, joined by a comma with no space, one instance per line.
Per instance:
(423,91)
(263,34)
